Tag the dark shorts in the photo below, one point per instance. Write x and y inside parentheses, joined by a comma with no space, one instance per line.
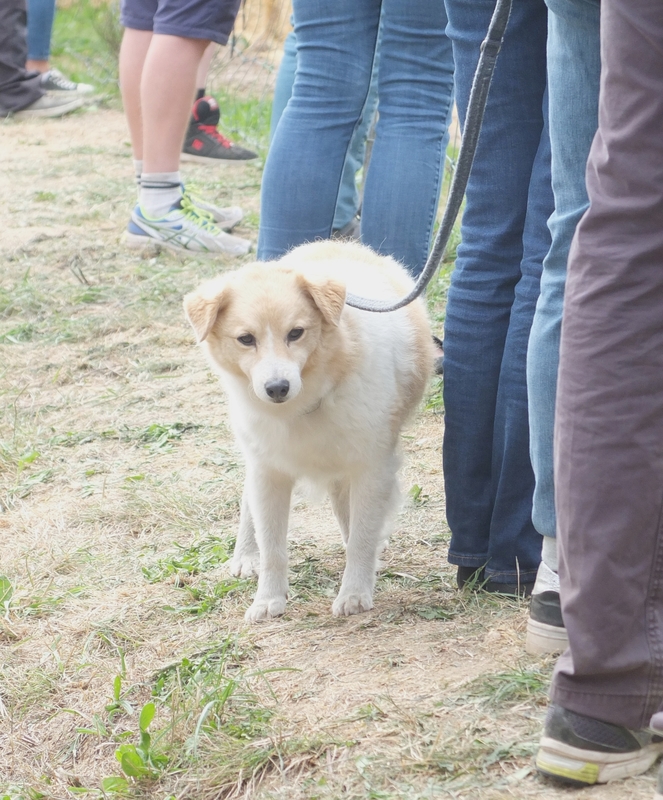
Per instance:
(191,19)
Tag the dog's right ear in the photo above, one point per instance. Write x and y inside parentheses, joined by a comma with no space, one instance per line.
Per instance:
(203,306)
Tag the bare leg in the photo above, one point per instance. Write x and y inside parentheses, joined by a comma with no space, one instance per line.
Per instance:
(34,65)
(167,90)
(268,495)
(246,558)
(340,500)
(372,501)
(135,45)
(203,67)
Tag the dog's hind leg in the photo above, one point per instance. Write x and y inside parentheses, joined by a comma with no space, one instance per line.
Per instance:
(372,501)
(268,494)
(339,494)
(246,556)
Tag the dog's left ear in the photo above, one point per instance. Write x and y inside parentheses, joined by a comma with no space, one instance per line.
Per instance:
(202,308)
(328,294)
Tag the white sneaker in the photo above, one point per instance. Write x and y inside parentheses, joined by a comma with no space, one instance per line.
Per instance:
(184,228)
(225,218)
(50,106)
(546,634)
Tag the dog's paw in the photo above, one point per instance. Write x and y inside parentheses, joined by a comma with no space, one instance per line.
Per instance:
(350,603)
(245,566)
(262,610)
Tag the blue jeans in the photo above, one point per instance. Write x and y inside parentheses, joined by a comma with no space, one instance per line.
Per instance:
(336,48)
(347,203)
(494,288)
(40,26)
(574,69)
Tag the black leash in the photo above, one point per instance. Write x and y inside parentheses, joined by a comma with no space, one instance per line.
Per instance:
(483,76)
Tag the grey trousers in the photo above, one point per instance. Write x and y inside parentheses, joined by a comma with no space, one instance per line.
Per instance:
(609,421)
(18,88)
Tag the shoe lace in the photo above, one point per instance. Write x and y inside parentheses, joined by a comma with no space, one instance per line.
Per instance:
(59,80)
(214,132)
(199,217)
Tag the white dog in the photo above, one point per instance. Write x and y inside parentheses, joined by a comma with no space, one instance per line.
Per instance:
(319,391)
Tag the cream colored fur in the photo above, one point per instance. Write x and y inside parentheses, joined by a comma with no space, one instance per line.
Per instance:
(318,391)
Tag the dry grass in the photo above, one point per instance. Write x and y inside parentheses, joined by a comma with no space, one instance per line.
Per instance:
(119,485)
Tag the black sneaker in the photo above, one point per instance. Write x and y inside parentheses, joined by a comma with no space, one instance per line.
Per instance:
(582,751)
(474,579)
(204,143)
(546,634)
(55,81)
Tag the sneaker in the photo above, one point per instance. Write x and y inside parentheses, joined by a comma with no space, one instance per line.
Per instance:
(50,106)
(474,579)
(55,81)
(582,751)
(184,228)
(225,218)
(546,634)
(204,143)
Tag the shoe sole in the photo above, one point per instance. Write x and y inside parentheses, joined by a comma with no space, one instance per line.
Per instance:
(208,160)
(587,767)
(55,111)
(137,242)
(544,639)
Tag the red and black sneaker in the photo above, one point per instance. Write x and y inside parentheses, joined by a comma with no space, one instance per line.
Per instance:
(204,143)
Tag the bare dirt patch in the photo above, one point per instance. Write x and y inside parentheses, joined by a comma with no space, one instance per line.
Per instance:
(120,485)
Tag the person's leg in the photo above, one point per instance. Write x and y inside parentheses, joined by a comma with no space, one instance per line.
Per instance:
(167,89)
(574,67)
(415,91)
(41,14)
(203,68)
(609,420)
(18,87)
(133,51)
(347,203)
(488,477)
(285,77)
(335,51)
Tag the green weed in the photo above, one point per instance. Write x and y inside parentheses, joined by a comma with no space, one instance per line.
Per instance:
(201,556)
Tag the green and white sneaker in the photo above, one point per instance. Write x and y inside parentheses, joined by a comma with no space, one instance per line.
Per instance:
(581,751)
(184,228)
(225,218)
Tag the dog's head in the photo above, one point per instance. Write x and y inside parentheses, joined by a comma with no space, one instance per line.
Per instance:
(267,322)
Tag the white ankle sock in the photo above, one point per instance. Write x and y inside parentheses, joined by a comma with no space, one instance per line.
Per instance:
(549,552)
(158,192)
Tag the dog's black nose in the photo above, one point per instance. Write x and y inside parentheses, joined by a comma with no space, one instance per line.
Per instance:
(277,390)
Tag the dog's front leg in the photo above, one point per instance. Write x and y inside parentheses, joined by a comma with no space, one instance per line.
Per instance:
(246,556)
(373,497)
(268,493)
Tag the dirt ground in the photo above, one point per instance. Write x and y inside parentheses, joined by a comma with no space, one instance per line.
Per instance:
(119,485)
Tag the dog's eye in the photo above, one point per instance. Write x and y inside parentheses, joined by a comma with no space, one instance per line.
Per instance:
(248,339)
(295,333)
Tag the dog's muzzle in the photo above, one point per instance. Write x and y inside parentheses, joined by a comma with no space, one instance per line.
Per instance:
(277,391)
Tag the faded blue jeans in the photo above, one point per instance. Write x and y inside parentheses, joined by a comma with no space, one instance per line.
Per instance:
(494,288)
(347,202)
(336,48)
(40,26)
(574,70)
